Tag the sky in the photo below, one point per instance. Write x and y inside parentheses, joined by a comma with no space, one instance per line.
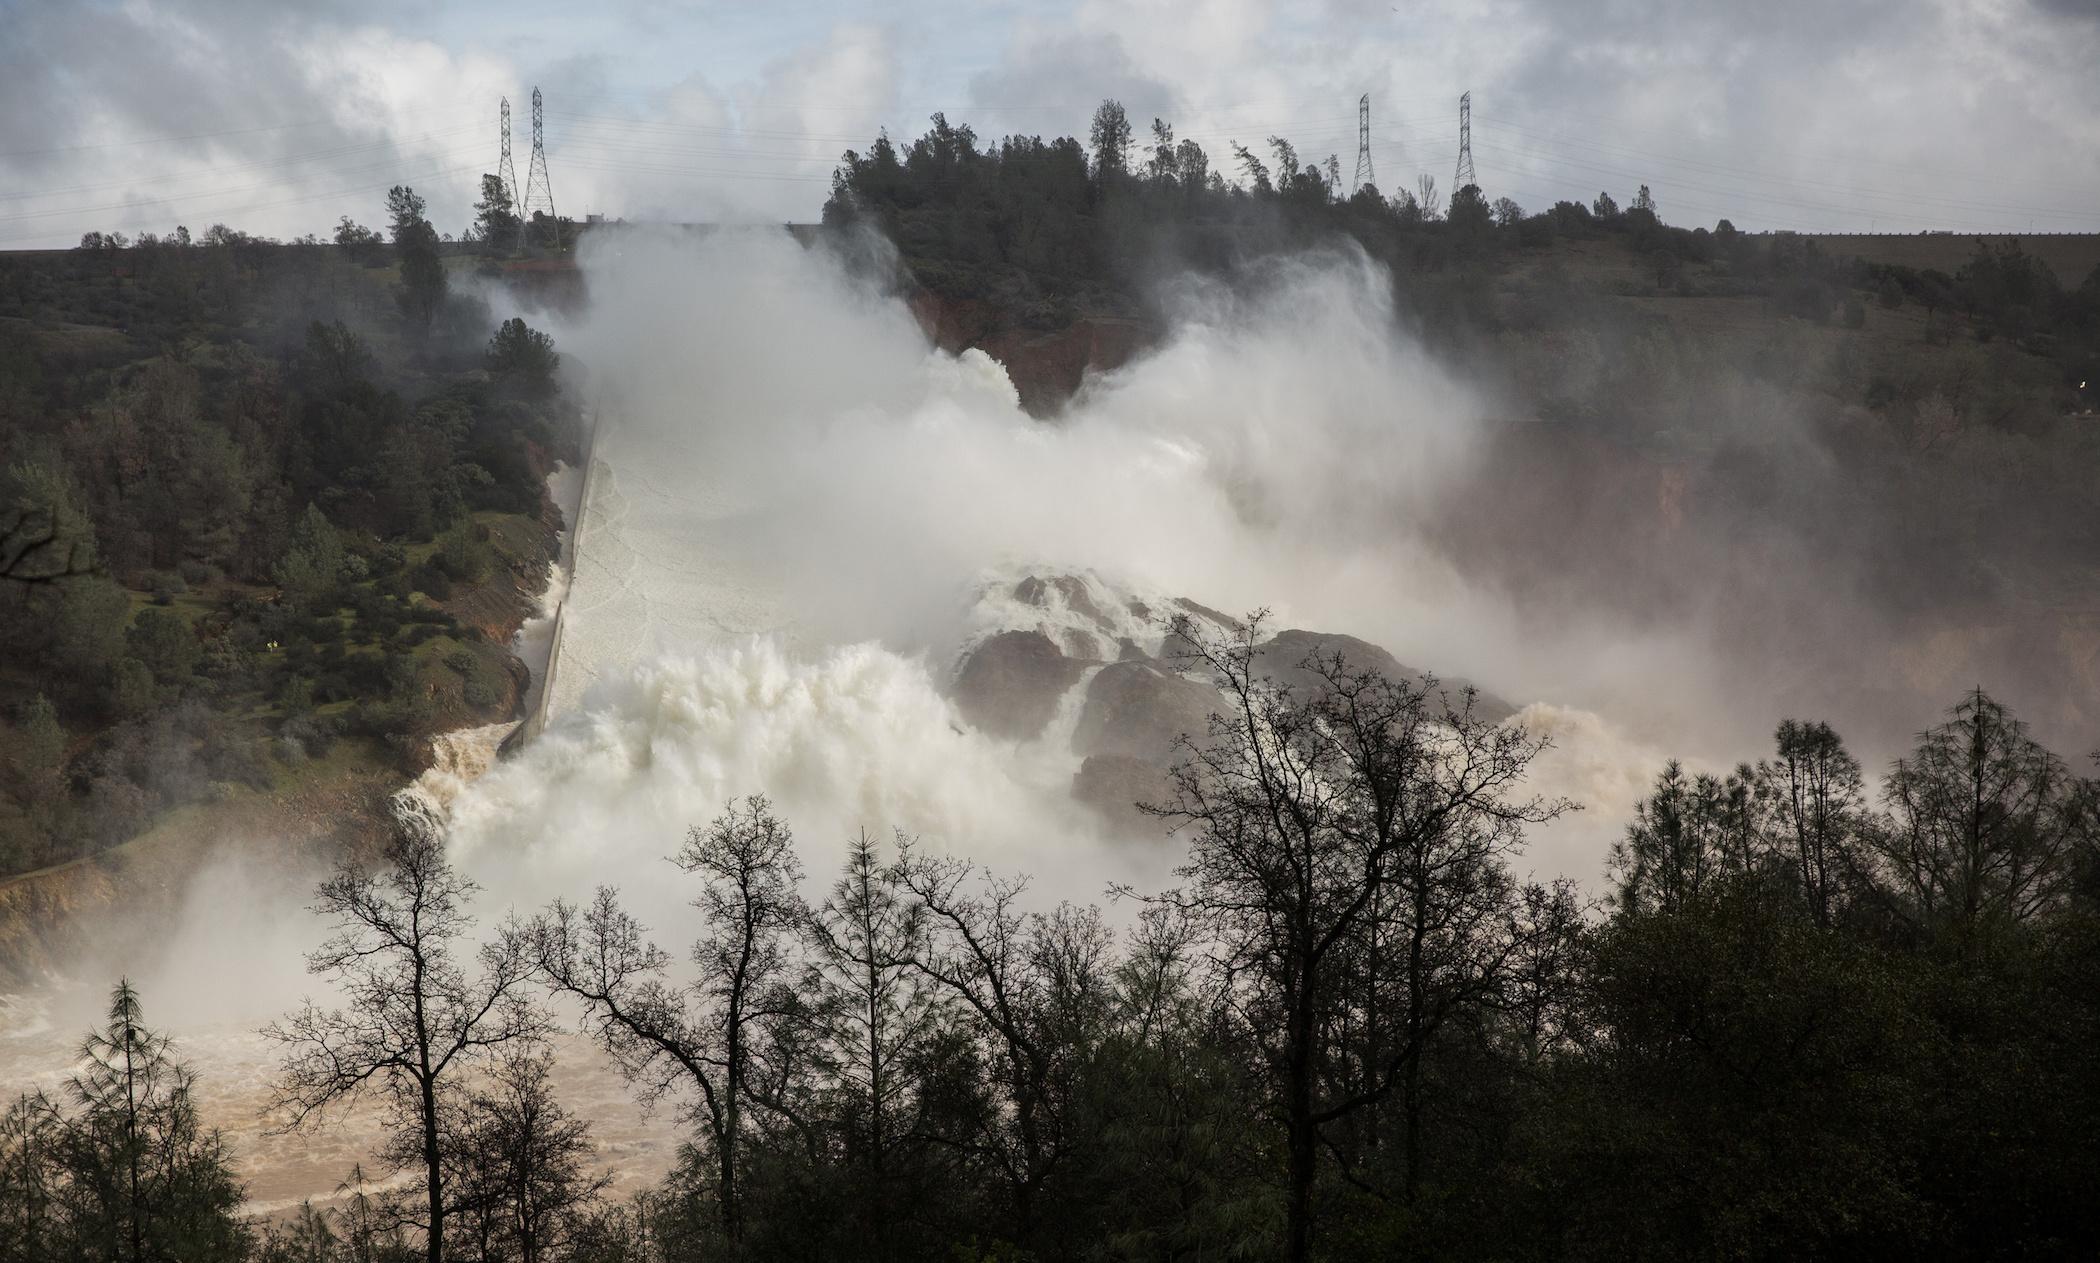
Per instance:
(277,117)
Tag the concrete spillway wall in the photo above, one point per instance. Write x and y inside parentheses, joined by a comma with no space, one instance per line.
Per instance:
(536,716)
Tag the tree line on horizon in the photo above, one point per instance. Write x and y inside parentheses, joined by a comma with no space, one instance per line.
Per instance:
(1058,227)
(1806,1022)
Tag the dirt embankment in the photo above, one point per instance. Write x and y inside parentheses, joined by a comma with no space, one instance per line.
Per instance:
(1045,365)
(117,902)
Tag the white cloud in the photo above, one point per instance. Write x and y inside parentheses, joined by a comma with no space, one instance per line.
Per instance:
(1968,114)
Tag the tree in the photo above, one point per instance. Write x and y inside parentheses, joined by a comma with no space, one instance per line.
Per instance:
(1163,164)
(1286,158)
(872,1012)
(416,243)
(523,1160)
(1753,1084)
(1427,199)
(1819,811)
(29,1179)
(1109,138)
(311,569)
(1644,201)
(712,1034)
(1604,207)
(521,354)
(496,217)
(404,209)
(1507,213)
(1982,821)
(1685,836)
(1469,210)
(1192,165)
(1032,985)
(358,241)
(141,1178)
(417,1019)
(1256,171)
(335,361)
(167,644)
(1358,829)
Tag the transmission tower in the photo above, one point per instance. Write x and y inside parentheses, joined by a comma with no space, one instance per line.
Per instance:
(539,195)
(1363,141)
(504,170)
(1465,174)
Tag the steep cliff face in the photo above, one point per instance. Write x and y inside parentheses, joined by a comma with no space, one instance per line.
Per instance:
(1046,366)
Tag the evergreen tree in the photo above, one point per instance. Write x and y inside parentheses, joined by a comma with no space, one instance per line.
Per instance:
(142,1179)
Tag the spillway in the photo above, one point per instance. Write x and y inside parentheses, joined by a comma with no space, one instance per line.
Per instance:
(653,565)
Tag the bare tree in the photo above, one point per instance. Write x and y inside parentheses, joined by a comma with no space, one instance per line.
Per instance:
(416,1018)
(711,1034)
(872,1012)
(1031,984)
(525,1158)
(1430,202)
(1819,810)
(1359,830)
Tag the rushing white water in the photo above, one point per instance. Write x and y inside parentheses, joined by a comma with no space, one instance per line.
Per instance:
(799,515)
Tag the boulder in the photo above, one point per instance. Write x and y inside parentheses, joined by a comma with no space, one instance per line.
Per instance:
(1138,710)
(1010,683)
(1113,784)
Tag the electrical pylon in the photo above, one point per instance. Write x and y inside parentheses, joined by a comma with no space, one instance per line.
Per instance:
(504,170)
(1464,175)
(1363,141)
(539,194)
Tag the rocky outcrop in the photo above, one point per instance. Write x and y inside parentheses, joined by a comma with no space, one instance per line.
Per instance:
(1115,785)
(1140,710)
(1011,682)
(1051,630)
(1135,715)
(1046,366)
(1283,658)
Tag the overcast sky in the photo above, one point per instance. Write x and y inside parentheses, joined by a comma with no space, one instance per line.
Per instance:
(278,116)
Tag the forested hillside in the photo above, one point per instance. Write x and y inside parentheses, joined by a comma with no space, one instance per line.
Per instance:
(265,509)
